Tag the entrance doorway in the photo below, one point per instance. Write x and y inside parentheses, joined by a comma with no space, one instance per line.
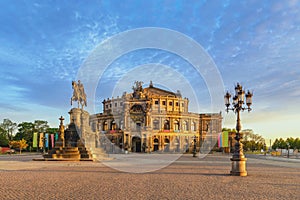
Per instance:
(136,144)
(167,145)
(177,146)
(155,143)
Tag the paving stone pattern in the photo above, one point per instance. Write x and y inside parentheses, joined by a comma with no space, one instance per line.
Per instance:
(187,178)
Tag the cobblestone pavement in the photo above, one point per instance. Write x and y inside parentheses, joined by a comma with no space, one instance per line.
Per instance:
(186,178)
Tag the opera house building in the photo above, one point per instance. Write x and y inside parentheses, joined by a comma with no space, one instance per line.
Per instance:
(152,120)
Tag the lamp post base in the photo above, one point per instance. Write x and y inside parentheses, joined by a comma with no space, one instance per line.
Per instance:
(238,167)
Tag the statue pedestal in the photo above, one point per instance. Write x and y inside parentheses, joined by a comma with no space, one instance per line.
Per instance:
(77,142)
(87,137)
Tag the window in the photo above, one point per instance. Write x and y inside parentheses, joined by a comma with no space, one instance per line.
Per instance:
(195,126)
(110,105)
(184,125)
(166,125)
(164,103)
(105,127)
(170,103)
(155,125)
(106,106)
(176,125)
(116,104)
(177,104)
(121,103)
(156,102)
(138,126)
(113,125)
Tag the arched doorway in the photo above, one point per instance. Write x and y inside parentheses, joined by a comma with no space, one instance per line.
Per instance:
(186,145)
(136,144)
(167,145)
(155,143)
(177,145)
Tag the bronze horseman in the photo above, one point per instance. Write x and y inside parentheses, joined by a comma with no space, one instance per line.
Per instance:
(78,94)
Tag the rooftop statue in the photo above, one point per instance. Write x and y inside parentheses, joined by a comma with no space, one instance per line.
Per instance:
(78,94)
(137,89)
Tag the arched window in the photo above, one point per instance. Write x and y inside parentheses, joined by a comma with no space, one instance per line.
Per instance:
(185,125)
(105,126)
(176,125)
(194,126)
(121,124)
(113,125)
(156,125)
(166,125)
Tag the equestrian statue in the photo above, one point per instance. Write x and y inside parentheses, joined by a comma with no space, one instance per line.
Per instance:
(78,94)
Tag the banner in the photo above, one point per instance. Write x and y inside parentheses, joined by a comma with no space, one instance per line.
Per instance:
(56,136)
(35,140)
(225,139)
(41,143)
(46,140)
(52,140)
(220,140)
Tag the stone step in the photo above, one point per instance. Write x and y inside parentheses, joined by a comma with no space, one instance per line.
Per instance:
(66,156)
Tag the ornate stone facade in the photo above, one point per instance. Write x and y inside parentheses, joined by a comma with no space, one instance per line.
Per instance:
(153,120)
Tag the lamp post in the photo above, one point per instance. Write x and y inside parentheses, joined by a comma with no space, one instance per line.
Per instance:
(44,145)
(194,148)
(238,159)
(288,150)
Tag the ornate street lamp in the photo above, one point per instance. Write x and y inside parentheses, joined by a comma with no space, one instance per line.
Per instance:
(238,159)
(288,148)
(194,148)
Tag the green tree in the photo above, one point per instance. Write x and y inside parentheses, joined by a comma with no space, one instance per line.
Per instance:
(291,142)
(229,130)
(297,143)
(52,130)
(282,143)
(9,127)
(25,131)
(252,141)
(3,138)
(40,126)
(275,144)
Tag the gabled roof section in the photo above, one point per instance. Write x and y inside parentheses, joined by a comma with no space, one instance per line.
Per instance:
(154,91)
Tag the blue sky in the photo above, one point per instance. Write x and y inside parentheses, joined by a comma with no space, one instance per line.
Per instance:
(43,44)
